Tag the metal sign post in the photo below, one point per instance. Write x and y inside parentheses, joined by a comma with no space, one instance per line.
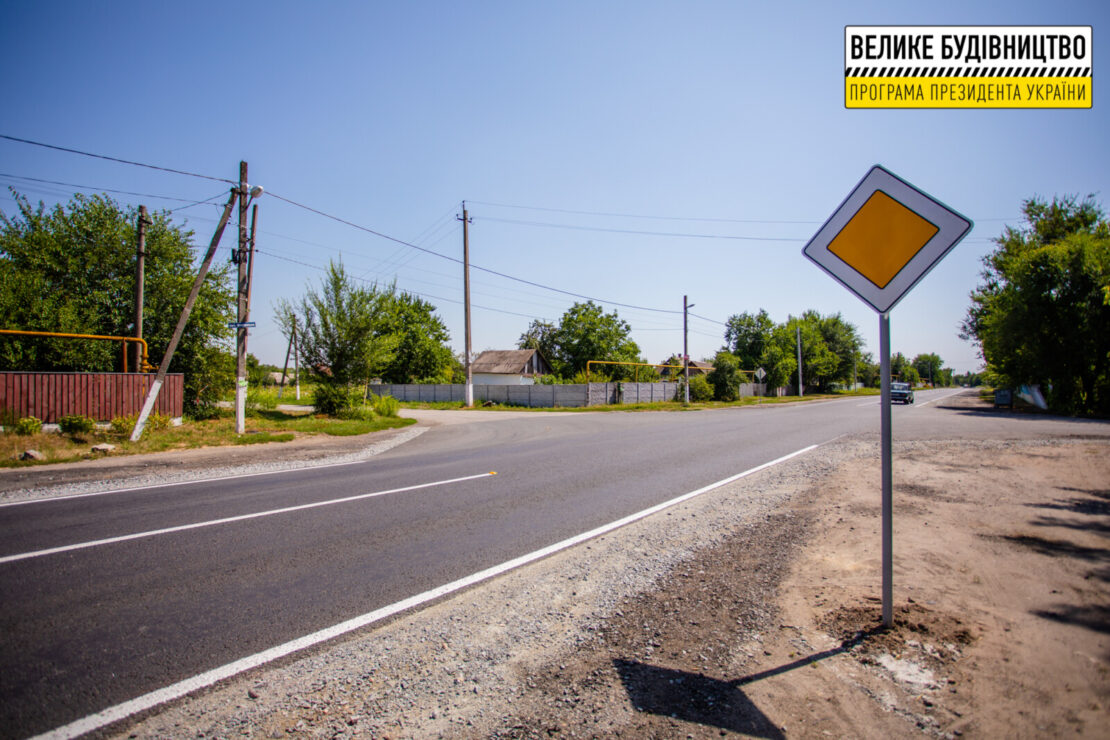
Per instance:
(882,240)
(888,470)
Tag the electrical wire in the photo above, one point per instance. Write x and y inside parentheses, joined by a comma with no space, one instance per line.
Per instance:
(456,260)
(413,292)
(111,190)
(633,215)
(645,233)
(706,318)
(372,231)
(116,159)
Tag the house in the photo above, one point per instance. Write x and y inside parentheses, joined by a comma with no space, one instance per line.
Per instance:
(508,367)
(696,368)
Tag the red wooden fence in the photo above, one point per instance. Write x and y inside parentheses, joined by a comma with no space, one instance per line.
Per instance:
(101,396)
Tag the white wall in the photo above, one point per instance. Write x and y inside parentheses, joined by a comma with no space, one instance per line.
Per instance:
(499,379)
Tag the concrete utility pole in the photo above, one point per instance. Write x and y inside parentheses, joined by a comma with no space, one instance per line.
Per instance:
(466,299)
(140,272)
(801,388)
(685,347)
(164,366)
(244,289)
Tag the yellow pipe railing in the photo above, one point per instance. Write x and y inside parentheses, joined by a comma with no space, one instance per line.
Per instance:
(610,362)
(145,365)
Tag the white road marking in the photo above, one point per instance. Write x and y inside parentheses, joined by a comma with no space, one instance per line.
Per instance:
(946,395)
(404,436)
(228,520)
(208,678)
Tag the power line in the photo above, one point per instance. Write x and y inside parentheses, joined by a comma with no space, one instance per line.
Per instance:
(413,292)
(645,233)
(633,215)
(459,261)
(342,221)
(115,159)
(671,218)
(706,318)
(111,190)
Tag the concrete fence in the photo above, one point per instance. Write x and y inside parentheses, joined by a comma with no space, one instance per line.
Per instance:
(534,396)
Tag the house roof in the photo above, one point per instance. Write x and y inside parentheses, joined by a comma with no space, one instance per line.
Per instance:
(503,361)
(697,367)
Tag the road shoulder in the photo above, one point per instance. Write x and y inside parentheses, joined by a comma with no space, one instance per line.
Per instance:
(748,611)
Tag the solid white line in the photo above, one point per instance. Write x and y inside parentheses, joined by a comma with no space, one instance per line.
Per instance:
(208,678)
(227,520)
(403,436)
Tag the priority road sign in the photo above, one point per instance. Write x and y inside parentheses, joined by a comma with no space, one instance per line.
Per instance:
(884,238)
(879,243)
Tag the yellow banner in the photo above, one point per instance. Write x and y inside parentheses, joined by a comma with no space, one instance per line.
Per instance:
(967,92)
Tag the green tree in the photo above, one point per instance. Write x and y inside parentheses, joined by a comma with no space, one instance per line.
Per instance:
(340,329)
(1040,314)
(540,335)
(901,369)
(422,354)
(71,269)
(747,335)
(820,365)
(868,371)
(726,376)
(843,340)
(779,357)
(929,367)
(585,332)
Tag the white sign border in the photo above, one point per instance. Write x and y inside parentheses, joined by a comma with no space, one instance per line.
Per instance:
(952,227)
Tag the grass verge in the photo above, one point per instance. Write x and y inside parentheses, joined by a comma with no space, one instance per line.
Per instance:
(262,427)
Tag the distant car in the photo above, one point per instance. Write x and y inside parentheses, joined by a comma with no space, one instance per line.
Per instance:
(901,393)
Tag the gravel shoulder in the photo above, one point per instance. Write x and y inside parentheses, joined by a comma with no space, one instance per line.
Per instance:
(749,611)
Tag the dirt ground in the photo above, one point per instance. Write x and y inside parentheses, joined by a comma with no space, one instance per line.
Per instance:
(1001,621)
(771,630)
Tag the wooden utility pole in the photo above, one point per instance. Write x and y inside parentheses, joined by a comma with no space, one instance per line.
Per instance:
(250,258)
(164,365)
(140,270)
(244,288)
(288,350)
(466,299)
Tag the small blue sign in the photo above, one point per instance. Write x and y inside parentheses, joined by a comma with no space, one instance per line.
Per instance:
(241,325)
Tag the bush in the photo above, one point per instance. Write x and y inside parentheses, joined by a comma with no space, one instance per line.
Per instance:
(387,405)
(357,413)
(261,398)
(122,426)
(28,425)
(76,424)
(700,389)
(331,399)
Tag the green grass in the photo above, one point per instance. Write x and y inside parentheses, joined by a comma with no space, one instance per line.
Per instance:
(263,426)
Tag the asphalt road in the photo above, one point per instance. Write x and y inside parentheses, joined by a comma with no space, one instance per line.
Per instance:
(88,628)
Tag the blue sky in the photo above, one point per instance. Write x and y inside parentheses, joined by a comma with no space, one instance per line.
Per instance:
(565,126)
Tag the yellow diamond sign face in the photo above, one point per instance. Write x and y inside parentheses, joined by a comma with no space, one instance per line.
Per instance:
(882,220)
(884,238)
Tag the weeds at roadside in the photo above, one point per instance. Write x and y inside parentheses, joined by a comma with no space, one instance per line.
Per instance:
(262,426)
